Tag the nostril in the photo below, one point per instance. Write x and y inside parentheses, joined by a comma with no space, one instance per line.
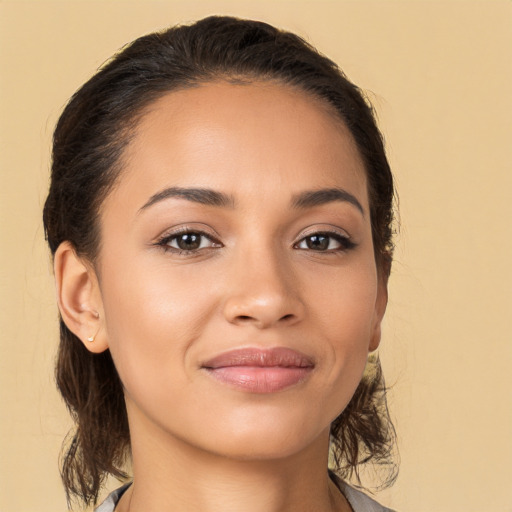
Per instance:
(287,317)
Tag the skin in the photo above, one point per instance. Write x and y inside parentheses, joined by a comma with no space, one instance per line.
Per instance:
(197,443)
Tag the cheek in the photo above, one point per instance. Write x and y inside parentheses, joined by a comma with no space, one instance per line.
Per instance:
(152,317)
(345,303)
(345,308)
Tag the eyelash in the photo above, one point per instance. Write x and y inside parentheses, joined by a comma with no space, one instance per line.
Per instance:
(345,244)
(343,240)
(166,240)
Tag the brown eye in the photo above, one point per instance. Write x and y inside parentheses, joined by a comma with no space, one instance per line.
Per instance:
(189,241)
(325,242)
(317,242)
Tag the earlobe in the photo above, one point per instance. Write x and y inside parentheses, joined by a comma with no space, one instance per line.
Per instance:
(79,298)
(375,340)
(380,308)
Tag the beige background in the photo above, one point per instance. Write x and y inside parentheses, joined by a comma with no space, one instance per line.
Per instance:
(439,74)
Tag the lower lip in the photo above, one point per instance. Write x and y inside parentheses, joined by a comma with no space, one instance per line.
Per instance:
(256,379)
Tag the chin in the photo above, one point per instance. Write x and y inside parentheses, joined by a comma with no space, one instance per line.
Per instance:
(261,448)
(265,438)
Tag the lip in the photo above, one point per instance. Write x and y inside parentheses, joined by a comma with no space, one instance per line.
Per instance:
(260,370)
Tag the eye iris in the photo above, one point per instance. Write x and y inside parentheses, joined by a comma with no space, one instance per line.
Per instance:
(317,242)
(189,241)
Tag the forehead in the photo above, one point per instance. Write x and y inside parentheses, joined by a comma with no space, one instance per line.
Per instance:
(241,138)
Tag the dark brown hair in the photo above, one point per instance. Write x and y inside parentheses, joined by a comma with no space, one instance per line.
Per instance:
(89,139)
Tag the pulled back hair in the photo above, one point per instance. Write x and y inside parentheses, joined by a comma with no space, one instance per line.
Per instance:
(89,139)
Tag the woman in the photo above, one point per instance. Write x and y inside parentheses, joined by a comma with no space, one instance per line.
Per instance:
(220,216)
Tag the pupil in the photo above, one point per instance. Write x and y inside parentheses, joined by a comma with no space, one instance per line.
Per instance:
(318,242)
(189,241)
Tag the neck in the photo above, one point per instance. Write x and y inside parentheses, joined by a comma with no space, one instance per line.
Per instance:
(171,475)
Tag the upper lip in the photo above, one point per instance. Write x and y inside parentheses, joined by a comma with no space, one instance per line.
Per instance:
(269,357)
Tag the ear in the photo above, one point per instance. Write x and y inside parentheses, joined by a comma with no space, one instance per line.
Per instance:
(380,308)
(79,298)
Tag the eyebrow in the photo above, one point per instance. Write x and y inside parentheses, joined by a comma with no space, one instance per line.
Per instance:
(313,198)
(204,196)
(209,197)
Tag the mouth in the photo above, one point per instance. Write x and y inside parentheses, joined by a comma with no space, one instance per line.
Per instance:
(260,370)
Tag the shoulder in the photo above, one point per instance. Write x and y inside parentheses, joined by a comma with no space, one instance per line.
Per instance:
(359,501)
(112,499)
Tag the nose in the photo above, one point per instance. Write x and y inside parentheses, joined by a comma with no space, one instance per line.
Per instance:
(263,293)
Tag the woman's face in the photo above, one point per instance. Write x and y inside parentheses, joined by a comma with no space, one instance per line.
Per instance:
(238,283)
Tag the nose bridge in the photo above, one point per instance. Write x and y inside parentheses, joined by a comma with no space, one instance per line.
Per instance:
(262,289)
